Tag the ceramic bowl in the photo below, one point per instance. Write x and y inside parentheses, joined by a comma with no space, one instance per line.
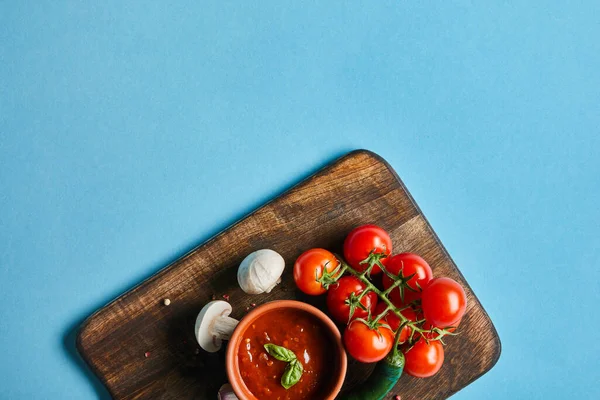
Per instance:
(232,363)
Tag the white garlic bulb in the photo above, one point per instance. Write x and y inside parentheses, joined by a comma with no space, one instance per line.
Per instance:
(260,271)
(226,393)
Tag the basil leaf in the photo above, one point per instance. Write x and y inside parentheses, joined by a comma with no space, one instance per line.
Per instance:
(292,374)
(280,353)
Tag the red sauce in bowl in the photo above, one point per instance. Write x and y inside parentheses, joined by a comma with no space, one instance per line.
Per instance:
(298,331)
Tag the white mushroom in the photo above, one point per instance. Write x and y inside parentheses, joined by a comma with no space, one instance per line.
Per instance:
(260,271)
(213,325)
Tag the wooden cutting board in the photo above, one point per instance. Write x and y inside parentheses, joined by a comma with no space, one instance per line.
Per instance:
(141,349)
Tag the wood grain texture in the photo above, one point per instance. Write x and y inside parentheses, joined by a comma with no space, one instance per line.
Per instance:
(359,188)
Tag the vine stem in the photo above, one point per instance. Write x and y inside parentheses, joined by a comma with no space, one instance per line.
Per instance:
(372,288)
(413,325)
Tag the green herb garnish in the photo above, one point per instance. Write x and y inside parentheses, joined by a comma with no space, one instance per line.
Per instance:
(294,369)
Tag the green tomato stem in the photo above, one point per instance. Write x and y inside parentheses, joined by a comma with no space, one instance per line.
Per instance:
(398,281)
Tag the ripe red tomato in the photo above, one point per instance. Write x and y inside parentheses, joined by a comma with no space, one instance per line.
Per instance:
(407,264)
(365,344)
(394,321)
(341,293)
(424,359)
(363,241)
(444,302)
(310,266)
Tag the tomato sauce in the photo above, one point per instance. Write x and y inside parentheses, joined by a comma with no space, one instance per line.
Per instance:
(299,332)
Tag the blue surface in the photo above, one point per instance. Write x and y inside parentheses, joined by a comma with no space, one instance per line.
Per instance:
(131,133)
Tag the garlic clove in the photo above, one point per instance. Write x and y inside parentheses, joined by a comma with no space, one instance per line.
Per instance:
(260,271)
(226,393)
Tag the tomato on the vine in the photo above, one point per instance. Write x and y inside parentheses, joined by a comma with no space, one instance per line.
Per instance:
(424,359)
(365,344)
(367,241)
(394,321)
(310,268)
(405,265)
(342,298)
(444,302)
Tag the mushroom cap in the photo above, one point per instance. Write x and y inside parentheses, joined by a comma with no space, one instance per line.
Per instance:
(260,271)
(205,321)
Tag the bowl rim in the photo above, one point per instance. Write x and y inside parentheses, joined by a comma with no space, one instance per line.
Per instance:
(231,359)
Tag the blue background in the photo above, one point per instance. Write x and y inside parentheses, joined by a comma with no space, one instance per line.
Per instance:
(131,133)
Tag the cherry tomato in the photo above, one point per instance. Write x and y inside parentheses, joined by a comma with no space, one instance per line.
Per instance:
(310,266)
(444,302)
(365,344)
(364,240)
(424,359)
(394,321)
(407,264)
(341,293)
